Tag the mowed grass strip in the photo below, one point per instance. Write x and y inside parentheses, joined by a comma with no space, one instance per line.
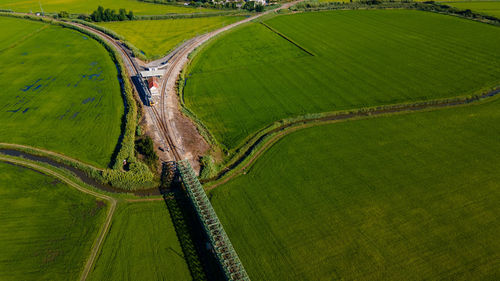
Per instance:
(141,245)
(156,37)
(47,227)
(88,6)
(59,91)
(244,81)
(491,8)
(405,197)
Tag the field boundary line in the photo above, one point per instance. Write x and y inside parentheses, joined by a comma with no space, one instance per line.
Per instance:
(45,152)
(107,223)
(24,38)
(286,38)
(266,140)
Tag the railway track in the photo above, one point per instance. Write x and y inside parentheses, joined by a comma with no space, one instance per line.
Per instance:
(173,63)
(132,69)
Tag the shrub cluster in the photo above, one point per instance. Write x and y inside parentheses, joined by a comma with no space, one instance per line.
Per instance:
(145,146)
(102,14)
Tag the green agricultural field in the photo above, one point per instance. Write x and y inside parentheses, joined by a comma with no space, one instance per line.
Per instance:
(87,6)
(491,8)
(141,245)
(251,77)
(59,91)
(156,37)
(405,197)
(47,227)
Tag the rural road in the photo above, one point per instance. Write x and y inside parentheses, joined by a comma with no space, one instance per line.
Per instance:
(105,227)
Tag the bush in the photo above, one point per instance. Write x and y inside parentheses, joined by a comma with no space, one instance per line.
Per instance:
(145,146)
(63,14)
(102,14)
(208,167)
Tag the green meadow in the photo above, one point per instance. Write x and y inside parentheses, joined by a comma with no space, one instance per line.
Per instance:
(48,228)
(87,6)
(404,197)
(249,78)
(141,245)
(59,91)
(491,8)
(157,37)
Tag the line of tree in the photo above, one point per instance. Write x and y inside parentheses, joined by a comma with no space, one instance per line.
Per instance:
(102,14)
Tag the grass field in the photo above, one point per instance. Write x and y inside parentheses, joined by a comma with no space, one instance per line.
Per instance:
(141,245)
(156,37)
(407,197)
(252,77)
(47,228)
(491,8)
(87,6)
(59,91)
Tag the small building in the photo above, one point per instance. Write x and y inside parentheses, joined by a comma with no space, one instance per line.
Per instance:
(153,86)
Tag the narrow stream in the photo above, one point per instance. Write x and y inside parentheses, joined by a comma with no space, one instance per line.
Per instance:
(79,173)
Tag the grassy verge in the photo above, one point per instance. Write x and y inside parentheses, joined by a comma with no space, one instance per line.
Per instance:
(238,92)
(408,196)
(264,139)
(156,38)
(142,244)
(137,175)
(47,232)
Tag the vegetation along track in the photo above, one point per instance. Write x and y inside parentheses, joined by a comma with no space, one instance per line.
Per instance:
(177,60)
(133,71)
(105,228)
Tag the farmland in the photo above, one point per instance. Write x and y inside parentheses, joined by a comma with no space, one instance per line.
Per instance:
(491,8)
(59,91)
(47,227)
(156,37)
(250,77)
(87,6)
(403,197)
(142,245)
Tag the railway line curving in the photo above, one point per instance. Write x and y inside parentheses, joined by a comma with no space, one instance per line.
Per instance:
(173,63)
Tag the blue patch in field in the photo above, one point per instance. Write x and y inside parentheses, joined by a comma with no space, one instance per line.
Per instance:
(37,87)
(24,54)
(95,75)
(27,87)
(24,111)
(85,37)
(64,115)
(14,111)
(87,100)
(98,102)
(74,115)
(93,63)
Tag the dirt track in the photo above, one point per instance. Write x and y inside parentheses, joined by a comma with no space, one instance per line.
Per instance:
(105,227)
